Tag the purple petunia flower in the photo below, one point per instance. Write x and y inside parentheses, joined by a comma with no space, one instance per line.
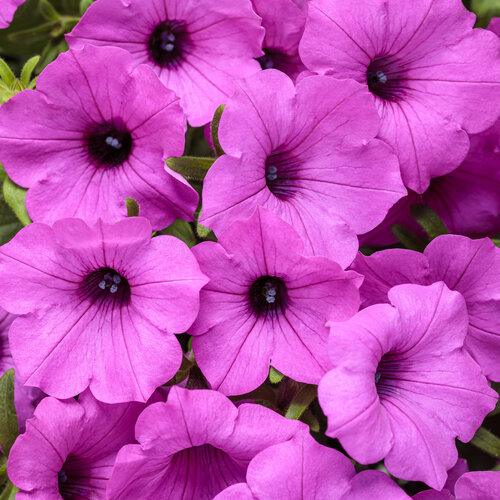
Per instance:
(266,304)
(100,305)
(402,388)
(303,469)
(466,200)
(306,153)
(197,47)
(480,485)
(7,11)
(432,76)
(69,448)
(25,398)
(94,134)
(194,446)
(470,267)
(284,22)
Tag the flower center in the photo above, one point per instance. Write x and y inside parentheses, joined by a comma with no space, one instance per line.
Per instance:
(281,175)
(167,43)
(106,284)
(384,77)
(268,295)
(109,145)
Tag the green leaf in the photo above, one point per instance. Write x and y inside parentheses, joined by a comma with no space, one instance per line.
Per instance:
(275,377)
(407,238)
(182,230)
(301,401)
(487,442)
(9,223)
(47,10)
(430,222)
(15,196)
(485,10)
(28,70)
(36,33)
(9,492)
(84,5)
(9,426)
(191,167)
(205,233)
(214,129)
(6,73)
(496,241)
(132,207)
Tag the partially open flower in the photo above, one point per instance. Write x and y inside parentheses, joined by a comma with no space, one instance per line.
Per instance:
(69,448)
(402,387)
(194,446)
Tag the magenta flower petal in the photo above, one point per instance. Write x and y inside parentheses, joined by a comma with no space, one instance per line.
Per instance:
(197,48)
(402,386)
(25,398)
(69,448)
(9,8)
(375,485)
(284,22)
(307,154)
(418,62)
(465,265)
(266,304)
(100,306)
(87,139)
(195,445)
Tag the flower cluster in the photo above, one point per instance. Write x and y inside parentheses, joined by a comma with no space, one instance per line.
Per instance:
(207,327)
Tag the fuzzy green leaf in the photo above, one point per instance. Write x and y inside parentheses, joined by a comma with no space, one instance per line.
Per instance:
(28,69)
(132,207)
(6,73)
(15,196)
(214,129)
(9,426)
(275,377)
(182,230)
(429,220)
(407,238)
(190,167)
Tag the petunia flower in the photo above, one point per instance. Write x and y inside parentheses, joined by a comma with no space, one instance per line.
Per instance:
(402,387)
(194,445)
(466,200)
(303,469)
(25,398)
(478,485)
(432,76)
(7,11)
(94,134)
(266,303)
(197,47)
(470,267)
(284,22)
(99,306)
(69,448)
(308,154)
